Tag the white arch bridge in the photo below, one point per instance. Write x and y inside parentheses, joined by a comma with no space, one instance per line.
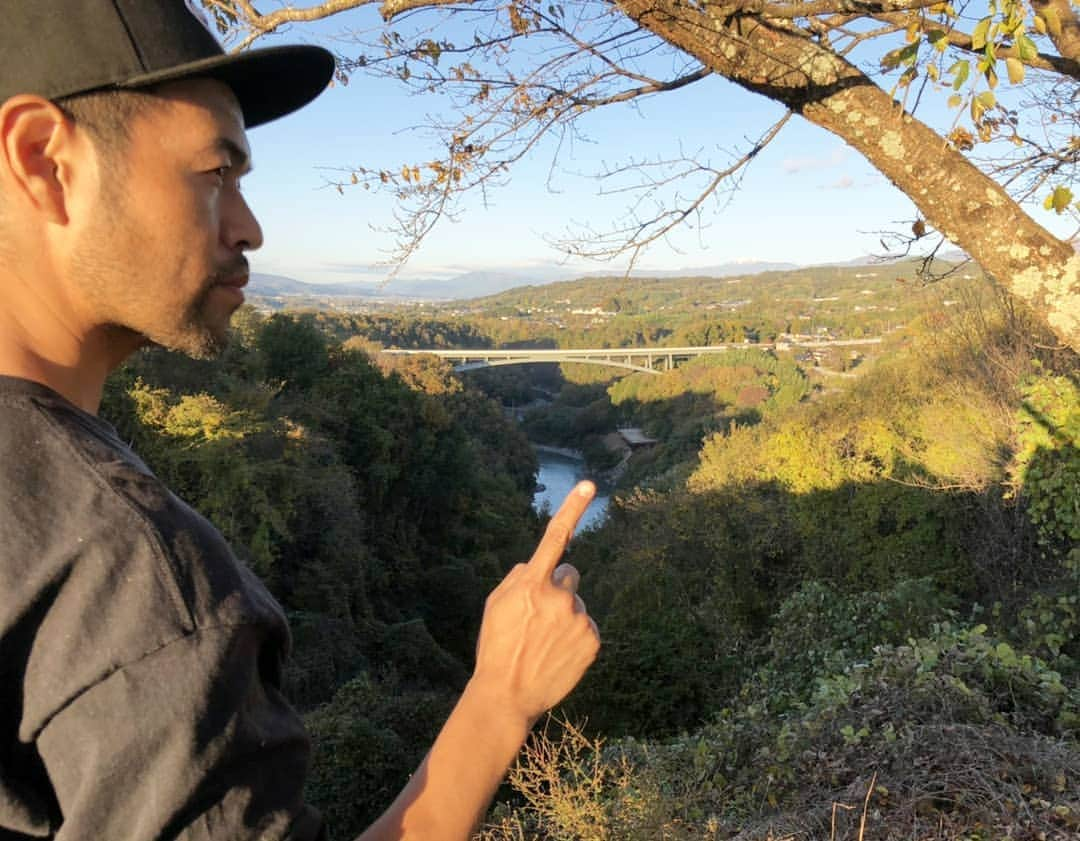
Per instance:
(648,360)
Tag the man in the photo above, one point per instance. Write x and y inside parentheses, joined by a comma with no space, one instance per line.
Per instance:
(140,663)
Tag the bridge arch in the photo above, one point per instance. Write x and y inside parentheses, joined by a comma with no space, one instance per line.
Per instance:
(646,360)
(496,363)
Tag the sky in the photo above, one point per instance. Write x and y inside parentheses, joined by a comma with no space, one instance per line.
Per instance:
(807,198)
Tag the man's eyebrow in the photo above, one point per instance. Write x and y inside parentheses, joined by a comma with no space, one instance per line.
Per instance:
(239,156)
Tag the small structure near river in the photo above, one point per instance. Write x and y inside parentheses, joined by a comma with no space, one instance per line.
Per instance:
(635,438)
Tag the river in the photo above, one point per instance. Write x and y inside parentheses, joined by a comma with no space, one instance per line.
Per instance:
(558,475)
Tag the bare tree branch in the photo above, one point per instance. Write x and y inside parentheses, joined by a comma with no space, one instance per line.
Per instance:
(390,9)
(258,24)
(640,232)
(816,8)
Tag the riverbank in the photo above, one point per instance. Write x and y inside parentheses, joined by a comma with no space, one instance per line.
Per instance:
(565,452)
(607,477)
(560,469)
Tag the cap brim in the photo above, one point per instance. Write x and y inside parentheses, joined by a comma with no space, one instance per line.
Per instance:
(268,83)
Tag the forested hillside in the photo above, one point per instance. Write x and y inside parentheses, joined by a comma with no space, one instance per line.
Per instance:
(834,604)
(852,612)
(825,301)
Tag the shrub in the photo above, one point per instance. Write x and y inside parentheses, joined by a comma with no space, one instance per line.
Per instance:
(818,630)
(1048,466)
(367,741)
(954,734)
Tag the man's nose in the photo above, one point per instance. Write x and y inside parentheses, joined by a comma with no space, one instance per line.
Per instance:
(240,229)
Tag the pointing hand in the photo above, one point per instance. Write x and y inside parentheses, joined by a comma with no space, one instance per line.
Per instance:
(537,639)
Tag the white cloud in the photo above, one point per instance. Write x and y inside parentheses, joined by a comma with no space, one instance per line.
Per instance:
(795,165)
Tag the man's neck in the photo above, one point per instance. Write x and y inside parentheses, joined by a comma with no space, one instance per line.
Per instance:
(74,368)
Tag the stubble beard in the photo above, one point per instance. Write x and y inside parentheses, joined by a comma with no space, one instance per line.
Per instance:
(195,335)
(118,295)
(191,332)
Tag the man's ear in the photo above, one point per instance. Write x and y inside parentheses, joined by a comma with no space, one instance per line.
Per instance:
(39,151)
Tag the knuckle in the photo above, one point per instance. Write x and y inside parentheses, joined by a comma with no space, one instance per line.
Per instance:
(566,580)
(564,599)
(568,571)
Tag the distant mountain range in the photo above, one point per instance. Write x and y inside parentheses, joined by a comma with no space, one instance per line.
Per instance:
(477,284)
(465,285)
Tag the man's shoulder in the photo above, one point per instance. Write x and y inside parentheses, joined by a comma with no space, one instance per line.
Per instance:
(111,564)
(67,480)
(54,466)
(40,426)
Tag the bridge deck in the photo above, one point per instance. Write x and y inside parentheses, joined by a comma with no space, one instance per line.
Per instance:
(636,352)
(642,359)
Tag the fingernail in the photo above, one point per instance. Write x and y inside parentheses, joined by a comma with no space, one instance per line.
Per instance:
(586,489)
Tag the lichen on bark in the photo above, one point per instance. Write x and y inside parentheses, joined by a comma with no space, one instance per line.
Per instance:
(1055,292)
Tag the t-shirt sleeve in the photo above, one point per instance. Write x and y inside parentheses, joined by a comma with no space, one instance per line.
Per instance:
(191,741)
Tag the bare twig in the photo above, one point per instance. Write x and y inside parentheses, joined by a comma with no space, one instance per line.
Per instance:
(866,805)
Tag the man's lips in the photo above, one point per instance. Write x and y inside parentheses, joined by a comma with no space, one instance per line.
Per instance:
(232,287)
(238,281)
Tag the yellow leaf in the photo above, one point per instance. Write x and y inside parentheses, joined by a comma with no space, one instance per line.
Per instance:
(913,32)
(1053,22)
(1060,199)
(1016,70)
(1040,24)
(406,173)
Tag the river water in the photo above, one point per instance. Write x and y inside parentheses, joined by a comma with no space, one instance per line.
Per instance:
(558,474)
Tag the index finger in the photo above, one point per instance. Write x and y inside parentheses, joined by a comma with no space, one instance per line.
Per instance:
(561,529)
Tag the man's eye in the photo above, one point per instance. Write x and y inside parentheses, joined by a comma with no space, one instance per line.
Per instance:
(225,175)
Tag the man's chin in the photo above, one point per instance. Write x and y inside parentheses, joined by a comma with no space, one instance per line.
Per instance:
(209,347)
(202,344)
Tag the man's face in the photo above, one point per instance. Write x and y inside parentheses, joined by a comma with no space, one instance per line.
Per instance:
(162,254)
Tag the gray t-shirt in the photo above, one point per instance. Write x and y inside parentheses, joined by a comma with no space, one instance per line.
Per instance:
(140,661)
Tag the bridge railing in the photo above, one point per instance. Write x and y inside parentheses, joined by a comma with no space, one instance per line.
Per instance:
(636,358)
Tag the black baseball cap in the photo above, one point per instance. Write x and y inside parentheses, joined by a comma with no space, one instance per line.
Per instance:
(59,48)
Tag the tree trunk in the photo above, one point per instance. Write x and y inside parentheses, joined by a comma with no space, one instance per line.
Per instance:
(1066,34)
(774,59)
